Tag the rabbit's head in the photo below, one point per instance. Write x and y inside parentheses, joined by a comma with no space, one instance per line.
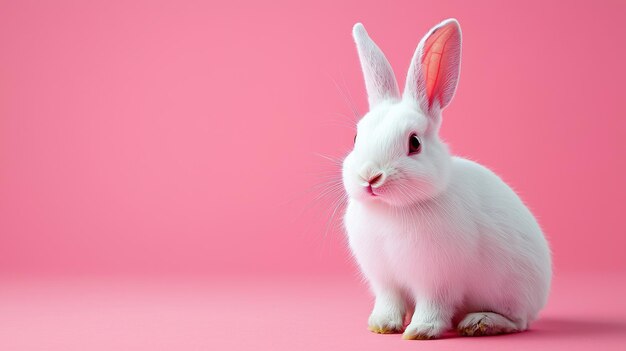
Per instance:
(398,158)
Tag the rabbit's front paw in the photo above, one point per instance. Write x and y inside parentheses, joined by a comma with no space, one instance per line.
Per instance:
(385,323)
(423,331)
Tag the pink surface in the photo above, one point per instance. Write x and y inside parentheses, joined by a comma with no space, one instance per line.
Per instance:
(585,312)
(141,140)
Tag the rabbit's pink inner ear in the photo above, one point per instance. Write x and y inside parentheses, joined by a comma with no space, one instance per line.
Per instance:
(440,63)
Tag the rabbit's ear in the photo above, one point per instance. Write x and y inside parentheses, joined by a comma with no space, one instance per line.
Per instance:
(380,81)
(434,70)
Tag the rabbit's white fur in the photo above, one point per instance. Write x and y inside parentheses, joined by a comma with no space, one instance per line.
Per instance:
(438,236)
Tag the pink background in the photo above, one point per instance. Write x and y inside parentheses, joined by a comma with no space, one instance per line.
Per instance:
(149,140)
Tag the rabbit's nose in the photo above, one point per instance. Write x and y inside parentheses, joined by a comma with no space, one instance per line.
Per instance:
(371,175)
(375,179)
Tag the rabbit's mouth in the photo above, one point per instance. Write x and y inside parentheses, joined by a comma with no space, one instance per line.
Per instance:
(370,190)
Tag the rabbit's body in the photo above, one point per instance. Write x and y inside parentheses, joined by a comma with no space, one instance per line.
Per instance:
(475,247)
(440,237)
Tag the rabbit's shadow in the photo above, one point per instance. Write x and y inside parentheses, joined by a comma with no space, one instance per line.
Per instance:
(560,327)
(550,327)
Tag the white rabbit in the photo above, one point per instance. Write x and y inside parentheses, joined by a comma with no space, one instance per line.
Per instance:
(438,236)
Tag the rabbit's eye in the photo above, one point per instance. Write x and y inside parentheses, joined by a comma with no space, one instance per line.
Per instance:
(355,138)
(415,145)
